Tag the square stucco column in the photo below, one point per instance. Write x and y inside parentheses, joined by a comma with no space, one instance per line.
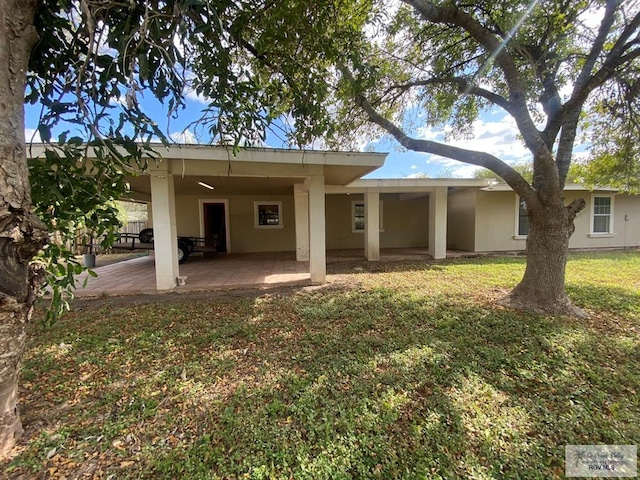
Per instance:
(372,226)
(165,236)
(317,239)
(301,207)
(438,223)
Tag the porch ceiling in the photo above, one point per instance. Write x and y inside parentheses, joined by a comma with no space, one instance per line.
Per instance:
(141,186)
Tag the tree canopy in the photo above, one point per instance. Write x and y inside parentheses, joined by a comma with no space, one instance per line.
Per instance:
(398,66)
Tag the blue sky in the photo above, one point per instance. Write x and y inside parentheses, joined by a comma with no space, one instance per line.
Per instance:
(494,132)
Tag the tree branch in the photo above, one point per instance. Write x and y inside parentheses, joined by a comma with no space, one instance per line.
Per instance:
(482,159)
(517,92)
(464,86)
(598,44)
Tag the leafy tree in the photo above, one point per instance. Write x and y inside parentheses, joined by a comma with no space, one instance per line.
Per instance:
(85,64)
(615,135)
(546,63)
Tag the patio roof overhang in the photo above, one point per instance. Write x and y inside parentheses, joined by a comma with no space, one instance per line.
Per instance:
(250,171)
(405,185)
(255,171)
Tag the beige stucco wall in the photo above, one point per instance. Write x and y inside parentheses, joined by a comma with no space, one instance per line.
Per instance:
(496,222)
(477,220)
(245,237)
(461,220)
(626,233)
(405,222)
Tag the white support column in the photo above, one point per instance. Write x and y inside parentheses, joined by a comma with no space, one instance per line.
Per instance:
(438,223)
(372,226)
(301,207)
(317,244)
(164,230)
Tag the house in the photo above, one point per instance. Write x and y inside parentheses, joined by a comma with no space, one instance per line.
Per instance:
(313,201)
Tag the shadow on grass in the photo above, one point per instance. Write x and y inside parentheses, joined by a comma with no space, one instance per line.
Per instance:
(615,300)
(363,266)
(340,384)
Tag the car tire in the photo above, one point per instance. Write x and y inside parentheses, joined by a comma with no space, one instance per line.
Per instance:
(146,235)
(183,252)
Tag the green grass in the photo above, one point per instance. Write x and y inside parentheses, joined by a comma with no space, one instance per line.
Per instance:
(408,371)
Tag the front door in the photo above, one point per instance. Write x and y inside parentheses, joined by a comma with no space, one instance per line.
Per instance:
(215,231)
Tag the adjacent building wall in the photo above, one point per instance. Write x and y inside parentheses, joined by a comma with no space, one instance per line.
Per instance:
(405,222)
(245,237)
(461,220)
(496,222)
(626,223)
(481,221)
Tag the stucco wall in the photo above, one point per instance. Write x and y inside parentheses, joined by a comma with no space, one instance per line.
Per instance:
(496,222)
(626,232)
(461,220)
(244,236)
(405,222)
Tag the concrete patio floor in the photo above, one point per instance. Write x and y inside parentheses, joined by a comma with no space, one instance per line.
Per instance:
(235,270)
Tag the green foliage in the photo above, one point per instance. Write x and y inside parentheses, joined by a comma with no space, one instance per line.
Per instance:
(72,194)
(92,62)
(423,380)
(615,137)
(363,68)
(525,169)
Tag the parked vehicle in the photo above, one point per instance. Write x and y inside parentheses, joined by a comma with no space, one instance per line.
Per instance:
(144,241)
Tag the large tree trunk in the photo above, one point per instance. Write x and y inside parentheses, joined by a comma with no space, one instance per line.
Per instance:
(542,289)
(21,233)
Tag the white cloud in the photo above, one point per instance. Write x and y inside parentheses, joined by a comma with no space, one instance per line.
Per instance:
(32,135)
(414,167)
(192,95)
(499,138)
(185,137)
(417,175)
(465,171)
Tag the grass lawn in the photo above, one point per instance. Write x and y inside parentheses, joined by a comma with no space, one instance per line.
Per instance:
(402,370)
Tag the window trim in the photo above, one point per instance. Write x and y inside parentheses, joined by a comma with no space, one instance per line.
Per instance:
(517,235)
(256,214)
(353,216)
(610,232)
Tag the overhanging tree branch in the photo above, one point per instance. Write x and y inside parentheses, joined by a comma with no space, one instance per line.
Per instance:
(482,159)
(517,93)
(464,86)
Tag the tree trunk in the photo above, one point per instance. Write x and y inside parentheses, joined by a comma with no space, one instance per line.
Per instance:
(22,234)
(542,289)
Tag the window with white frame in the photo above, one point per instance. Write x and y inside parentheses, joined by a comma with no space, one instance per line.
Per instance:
(267,214)
(522,218)
(358,218)
(601,214)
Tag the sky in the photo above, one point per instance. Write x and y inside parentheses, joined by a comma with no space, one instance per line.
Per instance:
(493,131)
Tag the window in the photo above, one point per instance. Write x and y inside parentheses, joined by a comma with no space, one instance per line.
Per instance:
(602,215)
(357,216)
(523,218)
(268,214)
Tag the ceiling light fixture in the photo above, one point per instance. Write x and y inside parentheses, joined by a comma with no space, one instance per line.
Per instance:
(206,185)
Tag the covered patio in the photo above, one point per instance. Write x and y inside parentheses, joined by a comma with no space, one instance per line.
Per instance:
(225,271)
